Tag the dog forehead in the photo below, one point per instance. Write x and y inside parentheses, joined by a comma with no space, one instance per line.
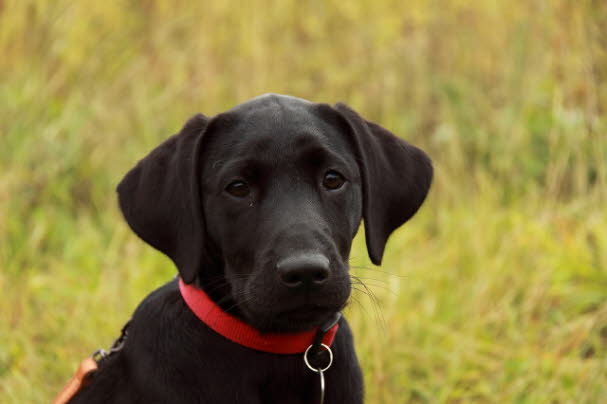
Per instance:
(275,125)
(273,113)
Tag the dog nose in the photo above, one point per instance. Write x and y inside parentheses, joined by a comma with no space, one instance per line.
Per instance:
(303,271)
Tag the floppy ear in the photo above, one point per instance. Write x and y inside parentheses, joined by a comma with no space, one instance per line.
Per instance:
(396,177)
(160,198)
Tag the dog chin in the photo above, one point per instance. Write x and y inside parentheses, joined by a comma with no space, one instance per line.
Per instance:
(296,320)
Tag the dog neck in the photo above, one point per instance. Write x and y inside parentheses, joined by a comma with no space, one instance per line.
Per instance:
(236,330)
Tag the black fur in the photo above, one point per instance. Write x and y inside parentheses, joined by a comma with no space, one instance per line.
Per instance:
(276,256)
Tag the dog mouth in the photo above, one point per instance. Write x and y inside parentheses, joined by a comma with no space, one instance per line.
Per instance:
(277,311)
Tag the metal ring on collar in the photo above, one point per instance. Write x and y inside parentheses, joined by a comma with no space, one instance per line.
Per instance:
(308,363)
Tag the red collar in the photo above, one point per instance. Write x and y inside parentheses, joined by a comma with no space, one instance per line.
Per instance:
(243,334)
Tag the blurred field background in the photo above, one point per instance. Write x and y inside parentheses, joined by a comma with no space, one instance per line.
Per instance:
(496,292)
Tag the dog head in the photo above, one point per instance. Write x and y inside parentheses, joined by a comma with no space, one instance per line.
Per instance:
(259,205)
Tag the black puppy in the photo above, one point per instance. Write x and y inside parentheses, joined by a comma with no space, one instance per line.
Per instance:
(257,207)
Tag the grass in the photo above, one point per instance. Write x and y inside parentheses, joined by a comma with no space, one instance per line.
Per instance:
(496,292)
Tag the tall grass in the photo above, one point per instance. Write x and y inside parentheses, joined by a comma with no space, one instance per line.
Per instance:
(495,293)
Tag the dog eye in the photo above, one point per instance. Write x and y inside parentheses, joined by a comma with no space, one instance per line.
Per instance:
(333,180)
(239,189)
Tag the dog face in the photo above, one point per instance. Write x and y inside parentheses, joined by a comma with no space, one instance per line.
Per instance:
(259,205)
(282,201)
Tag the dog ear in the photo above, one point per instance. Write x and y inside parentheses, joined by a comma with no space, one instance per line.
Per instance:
(160,198)
(396,177)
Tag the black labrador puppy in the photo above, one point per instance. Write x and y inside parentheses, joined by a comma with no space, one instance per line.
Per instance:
(257,207)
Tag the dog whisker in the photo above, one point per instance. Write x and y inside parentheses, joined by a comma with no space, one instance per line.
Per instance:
(379,317)
(388,273)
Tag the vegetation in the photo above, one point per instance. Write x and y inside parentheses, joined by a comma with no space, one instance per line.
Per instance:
(496,292)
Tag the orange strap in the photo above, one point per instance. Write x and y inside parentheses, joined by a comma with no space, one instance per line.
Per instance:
(86,368)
